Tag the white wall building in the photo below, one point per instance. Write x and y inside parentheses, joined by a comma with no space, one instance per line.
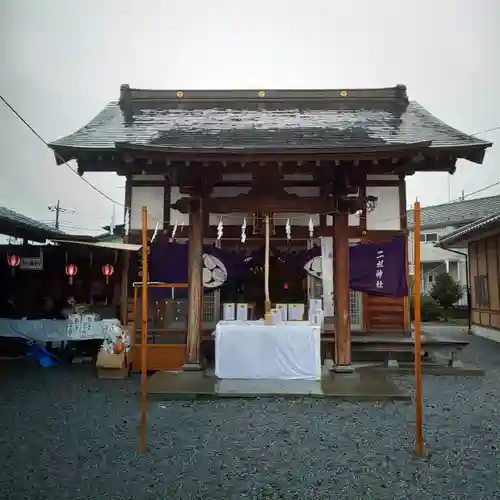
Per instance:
(440,220)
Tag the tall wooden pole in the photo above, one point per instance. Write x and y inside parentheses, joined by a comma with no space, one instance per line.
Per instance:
(267,316)
(144,328)
(418,362)
(341,294)
(195,290)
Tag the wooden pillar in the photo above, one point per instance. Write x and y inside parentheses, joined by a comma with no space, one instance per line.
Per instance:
(404,226)
(125,256)
(341,295)
(195,290)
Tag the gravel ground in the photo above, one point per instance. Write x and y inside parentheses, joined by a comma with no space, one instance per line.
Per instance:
(66,435)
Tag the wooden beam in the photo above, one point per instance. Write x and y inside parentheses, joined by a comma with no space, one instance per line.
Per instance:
(232,232)
(195,290)
(404,226)
(126,259)
(264,155)
(252,203)
(341,295)
(161,162)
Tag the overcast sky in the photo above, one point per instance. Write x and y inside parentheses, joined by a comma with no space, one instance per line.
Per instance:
(63,60)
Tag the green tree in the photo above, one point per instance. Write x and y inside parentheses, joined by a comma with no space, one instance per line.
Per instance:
(446,291)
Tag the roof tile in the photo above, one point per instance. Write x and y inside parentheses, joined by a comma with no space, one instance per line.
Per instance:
(457,213)
(16,223)
(239,119)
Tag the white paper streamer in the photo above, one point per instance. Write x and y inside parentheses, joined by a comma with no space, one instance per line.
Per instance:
(127,221)
(288,230)
(174,230)
(311,227)
(243,230)
(157,227)
(220,230)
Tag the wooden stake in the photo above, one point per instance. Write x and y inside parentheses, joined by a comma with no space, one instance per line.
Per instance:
(144,328)
(416,304)
(267,316)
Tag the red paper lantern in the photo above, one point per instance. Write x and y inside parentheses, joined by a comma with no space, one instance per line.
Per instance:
(71,271)
(107,270)
(13,261)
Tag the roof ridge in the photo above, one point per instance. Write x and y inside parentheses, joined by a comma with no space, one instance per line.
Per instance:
(128,94)
(470,227)
(458,202)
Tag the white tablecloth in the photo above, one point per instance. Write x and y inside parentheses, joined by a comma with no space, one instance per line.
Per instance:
(253,350)
(57,330)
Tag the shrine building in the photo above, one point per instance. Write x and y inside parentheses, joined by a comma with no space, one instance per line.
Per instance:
(319,163)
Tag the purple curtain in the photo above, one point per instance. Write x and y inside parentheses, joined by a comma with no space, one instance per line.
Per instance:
(379,268)
(374,268)
(168,263)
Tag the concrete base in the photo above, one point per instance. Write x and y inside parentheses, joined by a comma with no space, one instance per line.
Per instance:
(392,363)
(432,369)
(363,386)
(192,367)
(342,369)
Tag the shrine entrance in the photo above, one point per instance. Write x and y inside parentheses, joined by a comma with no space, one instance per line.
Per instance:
(287,280)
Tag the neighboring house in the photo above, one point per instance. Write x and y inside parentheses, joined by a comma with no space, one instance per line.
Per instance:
(19,226)
(481,240)
(437,222)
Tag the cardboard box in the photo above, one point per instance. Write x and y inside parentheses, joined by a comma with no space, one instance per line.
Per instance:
(112,366)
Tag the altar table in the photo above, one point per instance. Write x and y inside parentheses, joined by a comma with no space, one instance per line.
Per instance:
(253,350)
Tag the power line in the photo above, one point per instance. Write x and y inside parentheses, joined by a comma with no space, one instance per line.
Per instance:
(487,130)
(40,138)
(482,189)
(63,161)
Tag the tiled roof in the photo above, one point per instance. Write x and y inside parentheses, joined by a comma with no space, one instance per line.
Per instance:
(229,120)
(457,213)
(19,226)
(484,224)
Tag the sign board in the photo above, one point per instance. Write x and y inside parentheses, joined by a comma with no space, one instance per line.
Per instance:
(87,326)
(31,263)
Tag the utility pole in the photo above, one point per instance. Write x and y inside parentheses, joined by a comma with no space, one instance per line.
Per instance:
(58,209)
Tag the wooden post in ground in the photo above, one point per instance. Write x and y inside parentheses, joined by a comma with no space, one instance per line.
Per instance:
(144,328)
(341,294)
(195,290)
(419,447)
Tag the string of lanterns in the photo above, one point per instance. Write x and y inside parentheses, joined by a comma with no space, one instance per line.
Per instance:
(71,270)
